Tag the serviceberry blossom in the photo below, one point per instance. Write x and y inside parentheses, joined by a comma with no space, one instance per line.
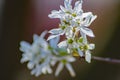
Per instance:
(42,54)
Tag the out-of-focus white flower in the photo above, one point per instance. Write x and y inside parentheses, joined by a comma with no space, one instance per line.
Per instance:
(65,61)
(37,54)
(41,56)
(43,67)
(53,42)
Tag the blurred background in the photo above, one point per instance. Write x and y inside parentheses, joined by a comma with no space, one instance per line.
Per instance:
(20,19)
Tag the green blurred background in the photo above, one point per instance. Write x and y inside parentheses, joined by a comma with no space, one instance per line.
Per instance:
(20,19)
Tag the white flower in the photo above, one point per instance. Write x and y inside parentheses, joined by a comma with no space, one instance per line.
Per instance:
(65,61)
(88,52)
(37,54)
(85,20)
(85,47)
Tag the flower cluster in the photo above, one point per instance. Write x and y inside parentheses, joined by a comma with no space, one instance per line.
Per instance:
(74,22)
(42,54)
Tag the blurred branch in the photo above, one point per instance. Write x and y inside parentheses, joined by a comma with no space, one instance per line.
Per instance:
(109,60)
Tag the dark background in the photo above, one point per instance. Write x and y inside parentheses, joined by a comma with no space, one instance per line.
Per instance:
(20,19)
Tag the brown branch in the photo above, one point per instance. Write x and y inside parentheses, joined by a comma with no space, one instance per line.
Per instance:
(109,60)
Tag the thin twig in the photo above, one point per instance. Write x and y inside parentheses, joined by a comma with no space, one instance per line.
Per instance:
(109,60)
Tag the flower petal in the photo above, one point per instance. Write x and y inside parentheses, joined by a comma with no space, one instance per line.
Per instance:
(62,44)
(80,52)
(37,71)
(87,31)
(59,69)
(51,37)
(85,15)
(35,37)
(53,62)
(69,32)
(92,19)
(91,46)
(46,69)
(67,4)
(54,42)
(49,70)
(84,37)
(43,34)
(63,9)
(88,56)
(78,7)
(55,14)
(56,31)
(70,59)
(88,18)
(24,46)
(30,65)
(70,69)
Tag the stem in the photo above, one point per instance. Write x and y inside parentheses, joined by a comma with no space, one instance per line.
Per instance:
(109,60)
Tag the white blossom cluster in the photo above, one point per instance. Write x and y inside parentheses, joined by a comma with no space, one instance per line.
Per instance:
(42,54)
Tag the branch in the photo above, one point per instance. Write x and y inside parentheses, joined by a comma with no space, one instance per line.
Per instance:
(109,60)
